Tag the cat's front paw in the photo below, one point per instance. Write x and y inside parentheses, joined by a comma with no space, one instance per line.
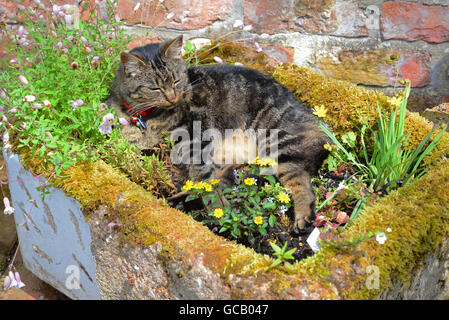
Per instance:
(304,217)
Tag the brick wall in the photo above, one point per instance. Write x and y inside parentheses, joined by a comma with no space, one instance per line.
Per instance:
(355,40)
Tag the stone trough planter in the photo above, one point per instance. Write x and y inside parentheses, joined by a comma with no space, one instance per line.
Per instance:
(120,242)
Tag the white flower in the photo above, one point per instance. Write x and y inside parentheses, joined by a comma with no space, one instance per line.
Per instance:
(248,28)
(381,237)
(37,105)
(47,103)
(29,98)
(23,80)
(238,24)
(218,59)
(170,15)
(8,208)
(6,138)
(388,229)
(13,281)
(137,6)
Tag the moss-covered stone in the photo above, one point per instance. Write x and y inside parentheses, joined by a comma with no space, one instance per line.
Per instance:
(416,213)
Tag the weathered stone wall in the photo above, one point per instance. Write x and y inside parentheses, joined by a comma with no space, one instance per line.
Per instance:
(353,40)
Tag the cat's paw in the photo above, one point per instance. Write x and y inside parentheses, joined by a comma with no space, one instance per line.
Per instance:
(303,220)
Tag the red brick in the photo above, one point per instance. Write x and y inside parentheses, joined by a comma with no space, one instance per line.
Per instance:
(202,13)
(413,21)
(374,67)
(321,17)
(141,41)
(280,53)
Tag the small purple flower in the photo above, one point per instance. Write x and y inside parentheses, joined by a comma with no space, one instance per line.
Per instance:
(13,281)
(282,209)
(8,209)
(77,103)
(270,199)
(106,126)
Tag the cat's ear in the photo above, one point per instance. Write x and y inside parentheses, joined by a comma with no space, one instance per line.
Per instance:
(172,48)
(131,63)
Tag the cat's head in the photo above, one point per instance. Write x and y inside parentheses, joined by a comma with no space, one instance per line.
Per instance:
(154,75)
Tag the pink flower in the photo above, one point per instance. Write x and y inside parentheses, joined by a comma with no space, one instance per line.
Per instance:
(77,103)
(8,209)
(13,110)
(13,281)
(84,41)
(103,106)
(23,80)
(258,47)
(13,61)
(123,121)
(65,50)
(59,45)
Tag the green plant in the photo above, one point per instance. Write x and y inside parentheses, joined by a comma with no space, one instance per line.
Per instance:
(389,164)
(54,86)
(247,209)
(282,255)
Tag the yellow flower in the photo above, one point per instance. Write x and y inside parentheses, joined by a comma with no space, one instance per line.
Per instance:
(207,187)
(249,181)
(235,219)
(188,185)
(218,213)
(283,197)
(258,220)
(214,181)
(396,101)
(254,161)
(320,111)
(330,147)
(266,162)
(200,185)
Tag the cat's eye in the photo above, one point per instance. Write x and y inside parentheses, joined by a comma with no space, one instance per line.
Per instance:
(155,89)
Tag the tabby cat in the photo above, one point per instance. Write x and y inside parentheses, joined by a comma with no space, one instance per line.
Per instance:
(220,97)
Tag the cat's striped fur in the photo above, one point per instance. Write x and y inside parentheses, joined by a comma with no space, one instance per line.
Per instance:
(221,97)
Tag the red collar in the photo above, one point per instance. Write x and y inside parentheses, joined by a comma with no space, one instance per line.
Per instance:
(143,113)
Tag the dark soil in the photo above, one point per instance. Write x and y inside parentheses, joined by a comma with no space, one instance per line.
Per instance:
(280,233)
